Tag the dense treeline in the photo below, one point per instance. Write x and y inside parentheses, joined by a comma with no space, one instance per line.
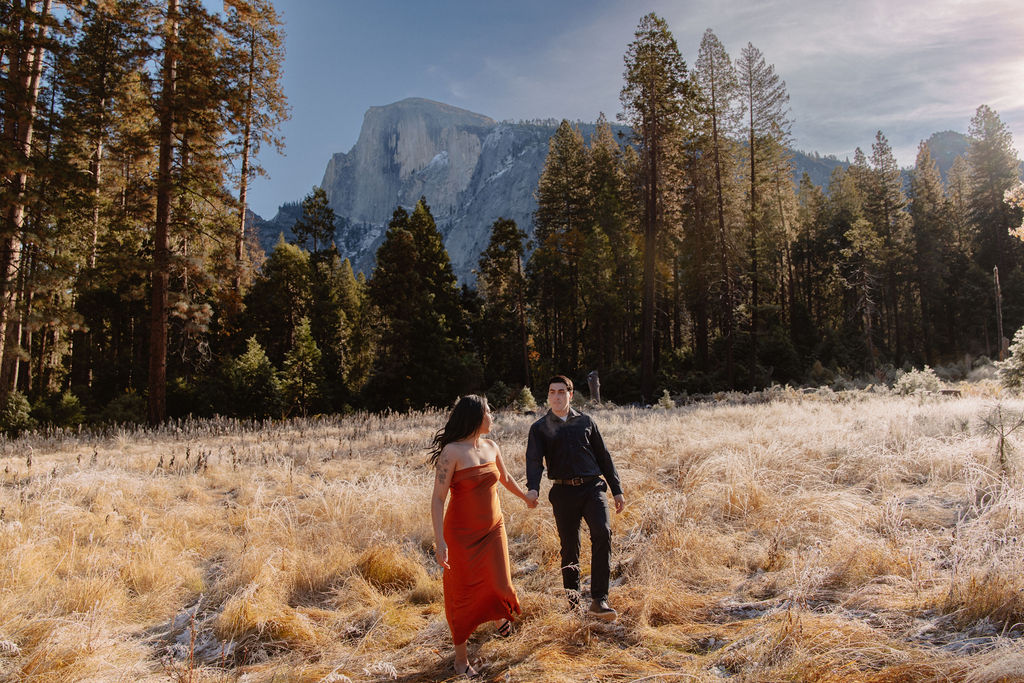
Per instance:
(684,258)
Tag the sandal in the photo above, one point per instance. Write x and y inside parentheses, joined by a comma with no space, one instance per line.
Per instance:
(465,672)
(504,628)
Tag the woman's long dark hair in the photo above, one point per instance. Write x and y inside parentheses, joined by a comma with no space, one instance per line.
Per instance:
(466,418)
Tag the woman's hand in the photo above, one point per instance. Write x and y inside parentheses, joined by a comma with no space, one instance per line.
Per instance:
(442,555)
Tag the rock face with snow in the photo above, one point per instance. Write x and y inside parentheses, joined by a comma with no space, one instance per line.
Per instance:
(471,170)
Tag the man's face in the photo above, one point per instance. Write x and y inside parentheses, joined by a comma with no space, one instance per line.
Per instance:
(559,397)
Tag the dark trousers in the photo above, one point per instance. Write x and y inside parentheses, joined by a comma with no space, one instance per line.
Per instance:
(571,504)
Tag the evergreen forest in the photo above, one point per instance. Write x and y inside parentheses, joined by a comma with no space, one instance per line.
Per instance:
(684,258)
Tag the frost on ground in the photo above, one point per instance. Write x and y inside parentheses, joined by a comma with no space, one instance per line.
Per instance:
(811,536)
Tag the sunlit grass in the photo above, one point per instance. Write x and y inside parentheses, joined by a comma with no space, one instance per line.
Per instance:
(857,537)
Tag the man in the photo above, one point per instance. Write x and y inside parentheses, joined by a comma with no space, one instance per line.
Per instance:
(570,444)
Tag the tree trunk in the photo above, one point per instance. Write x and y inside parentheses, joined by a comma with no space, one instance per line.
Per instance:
(650,246)
(161,252)
(521,312)
(20,119)
(754,301)
(243,188)
(727,322)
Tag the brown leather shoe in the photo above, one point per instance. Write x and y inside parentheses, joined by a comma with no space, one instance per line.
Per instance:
(601,610)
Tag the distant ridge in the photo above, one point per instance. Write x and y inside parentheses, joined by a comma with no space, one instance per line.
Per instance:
(472,170)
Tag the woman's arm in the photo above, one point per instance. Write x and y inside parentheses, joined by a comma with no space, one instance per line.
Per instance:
(445,468)
(508,482)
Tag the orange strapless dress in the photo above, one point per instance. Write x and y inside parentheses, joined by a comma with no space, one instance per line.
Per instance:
(478,587)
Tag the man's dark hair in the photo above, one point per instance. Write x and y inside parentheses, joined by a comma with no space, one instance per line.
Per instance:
(561,379)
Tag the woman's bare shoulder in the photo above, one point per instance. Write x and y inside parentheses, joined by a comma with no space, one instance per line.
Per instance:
(455,451)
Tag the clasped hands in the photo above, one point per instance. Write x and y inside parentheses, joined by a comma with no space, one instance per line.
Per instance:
(531,501)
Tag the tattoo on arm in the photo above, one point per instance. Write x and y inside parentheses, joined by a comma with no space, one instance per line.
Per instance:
(442,468)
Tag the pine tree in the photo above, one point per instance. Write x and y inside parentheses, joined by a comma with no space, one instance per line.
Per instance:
(317,223)
(885,206)
(302,378)
(161,250)
(561,223)
(253,384)
(502,285)
(280,297)
(256,100)
(611,267)
(716,79)
(993,170)
(653,97)
(766,101)
(422,357)
(28,26)
(931,230)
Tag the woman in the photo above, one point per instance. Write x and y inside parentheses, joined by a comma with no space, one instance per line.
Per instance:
(471,543)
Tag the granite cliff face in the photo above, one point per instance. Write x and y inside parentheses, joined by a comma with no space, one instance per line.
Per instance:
(471,169)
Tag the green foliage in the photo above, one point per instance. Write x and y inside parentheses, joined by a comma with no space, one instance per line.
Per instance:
(502,287)
(302,380)
(917,380)
(317,223)
(254,390)
(423,357)
(59,410)
(279,298)
(128,408)
(1011,370)
(666,402)
(15,416)
(500,395)
(525,402)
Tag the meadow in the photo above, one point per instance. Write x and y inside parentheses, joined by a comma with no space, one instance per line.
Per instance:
(852,536)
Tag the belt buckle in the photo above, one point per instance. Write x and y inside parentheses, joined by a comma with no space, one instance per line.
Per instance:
(576,481)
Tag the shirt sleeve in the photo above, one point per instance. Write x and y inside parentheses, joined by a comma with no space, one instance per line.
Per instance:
(534,460)
(604,460)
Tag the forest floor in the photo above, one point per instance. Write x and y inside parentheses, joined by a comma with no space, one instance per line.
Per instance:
(856,536)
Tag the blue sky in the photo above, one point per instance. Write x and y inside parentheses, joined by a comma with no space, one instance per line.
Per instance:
(852,68)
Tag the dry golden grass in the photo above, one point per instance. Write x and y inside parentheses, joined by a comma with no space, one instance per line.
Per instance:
(851,537)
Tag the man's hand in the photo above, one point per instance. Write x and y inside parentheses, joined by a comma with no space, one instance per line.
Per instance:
(620,503)
(531,498)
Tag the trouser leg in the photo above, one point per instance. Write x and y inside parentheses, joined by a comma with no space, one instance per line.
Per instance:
(568,512)
(595,511)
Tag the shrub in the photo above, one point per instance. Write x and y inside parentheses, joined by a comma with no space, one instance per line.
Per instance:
(500,395)
(666,401)
(253,384)
(59,410)
(820,375)
(525,402)
(128,408)
(917,380)
(1011,370)
(15,415)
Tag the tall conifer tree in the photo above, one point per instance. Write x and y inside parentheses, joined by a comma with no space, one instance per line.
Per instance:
(654,99)
(716,78)
(766,101)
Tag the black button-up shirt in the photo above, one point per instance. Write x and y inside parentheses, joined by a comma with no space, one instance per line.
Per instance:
(571,448)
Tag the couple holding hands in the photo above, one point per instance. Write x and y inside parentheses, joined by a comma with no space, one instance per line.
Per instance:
(470,537)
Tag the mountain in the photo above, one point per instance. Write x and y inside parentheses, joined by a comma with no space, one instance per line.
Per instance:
(471,169)
(945,147)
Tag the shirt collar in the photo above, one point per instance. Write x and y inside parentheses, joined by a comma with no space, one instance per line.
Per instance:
(572,413)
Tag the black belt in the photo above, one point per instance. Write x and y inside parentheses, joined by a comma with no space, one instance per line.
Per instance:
(575,481)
